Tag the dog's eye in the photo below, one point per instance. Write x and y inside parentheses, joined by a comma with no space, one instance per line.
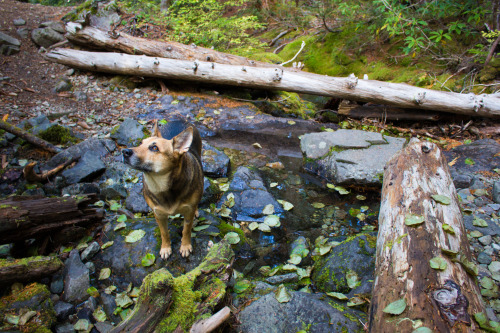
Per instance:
(153,148)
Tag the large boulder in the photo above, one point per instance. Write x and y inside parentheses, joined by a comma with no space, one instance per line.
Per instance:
(88,167)
(76,279)
(130,133)
(349,156)
(304,312)
(47,36)
(215,163)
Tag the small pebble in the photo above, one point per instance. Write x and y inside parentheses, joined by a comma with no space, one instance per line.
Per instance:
(485,240)
(19,22)
(483,258)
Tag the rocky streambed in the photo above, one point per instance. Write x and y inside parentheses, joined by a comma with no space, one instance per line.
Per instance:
(298,200)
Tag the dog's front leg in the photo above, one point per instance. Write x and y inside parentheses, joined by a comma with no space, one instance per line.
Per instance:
(186,247)
(162,220)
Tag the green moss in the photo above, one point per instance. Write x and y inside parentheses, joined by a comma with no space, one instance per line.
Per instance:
(267,57)
(57,135)
(293,104)
(224,228)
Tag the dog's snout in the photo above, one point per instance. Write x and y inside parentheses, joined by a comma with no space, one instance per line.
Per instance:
(127,152)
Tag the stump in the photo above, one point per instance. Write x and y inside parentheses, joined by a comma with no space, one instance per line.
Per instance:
(423,259)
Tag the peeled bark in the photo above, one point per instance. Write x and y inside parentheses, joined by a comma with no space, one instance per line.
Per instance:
(24,217)
(444,299)
(349,88)
(28,269)
(168,304)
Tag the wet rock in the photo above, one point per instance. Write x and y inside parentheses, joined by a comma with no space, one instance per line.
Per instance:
(23,32)
(88,167)
(90,251)
(103,327)
(38,124)
(90,265)
(262,288)
(46,37)
(215,162)
(485,240)
(81,188)
(250,196)
(285,278)
(483,258)
(57,284)
(130,133)
(8,45)
(18,22)
(355,254)
(109,306)
(349,156)
(113,191)
(63,310)
(65,328)
(136,203)
(492,229)
(303,310)
(495,193)
(76,279)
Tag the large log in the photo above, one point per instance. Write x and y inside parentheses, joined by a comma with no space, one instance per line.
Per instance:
(24,217)
(168,304)
(122,42)
(400,95)
(443,299)
(28,269)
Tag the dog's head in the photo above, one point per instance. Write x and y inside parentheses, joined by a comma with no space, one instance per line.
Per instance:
(158,155)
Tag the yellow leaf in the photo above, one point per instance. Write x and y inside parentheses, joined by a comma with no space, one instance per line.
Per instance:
(5,117)
(452,163)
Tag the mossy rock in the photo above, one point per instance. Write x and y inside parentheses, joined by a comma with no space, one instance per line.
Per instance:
(58,134)
(34,297)
(123,81)
(488,73)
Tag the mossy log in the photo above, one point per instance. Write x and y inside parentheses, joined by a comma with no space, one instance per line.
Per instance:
(423,260)
(28,269)
(24,217)
(168,304)
(277,78)
(29,137)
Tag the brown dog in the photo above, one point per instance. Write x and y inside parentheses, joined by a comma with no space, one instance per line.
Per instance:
(173,177)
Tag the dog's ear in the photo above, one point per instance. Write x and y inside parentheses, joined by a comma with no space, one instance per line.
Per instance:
(156,129)
(183,141)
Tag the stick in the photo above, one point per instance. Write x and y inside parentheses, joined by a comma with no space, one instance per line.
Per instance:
(32,177)
(29,137)
(209,324)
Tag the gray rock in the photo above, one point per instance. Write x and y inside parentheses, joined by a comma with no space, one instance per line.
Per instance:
(88,167)
(250,196)
(485,240)
(494,267)
(492,229)
(65,328)
(114,191)
(8,40)
(109,306)
(349,156)
(9,49)
(57,284)
(80,96)
(136,203)
(483,258)
(23,32)
(285,278)
(356,254)
(38,124)
(81,188)
(495,193)
(63,84)
(215,162)
(303,310)
(90,265)
(54,25)
(482,152)
(90,251)
(46,37)
(129,133)
(461,180)
(18,22)
(76,279)
(63,310)
(103,327)
(262,288)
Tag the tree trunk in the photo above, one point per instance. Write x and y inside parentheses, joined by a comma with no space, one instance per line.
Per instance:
(123,42)
(350,88)
(444,299)
(168,304)
(28,269)
(24,217)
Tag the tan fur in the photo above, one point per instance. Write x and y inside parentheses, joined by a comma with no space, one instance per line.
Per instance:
(173,181)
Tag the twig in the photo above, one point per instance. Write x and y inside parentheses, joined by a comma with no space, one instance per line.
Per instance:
(281,34)
(296,55)
(279,48)
(32,177)
(29,137)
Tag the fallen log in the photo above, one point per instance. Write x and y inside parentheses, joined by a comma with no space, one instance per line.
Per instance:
(29,137)
(24,217)
(28,269)
(385,112)
(123,42)
(168,304)
(350,88)
(423,258)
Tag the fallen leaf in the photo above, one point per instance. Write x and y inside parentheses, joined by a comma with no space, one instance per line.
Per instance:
(438,263)
(414,220)
(452,163)
(272,220)
(257,145)
(232,237)
(106,245)
(105,273)
(135,236)
(442,199)
(340,296)
(264,227)
(396,308)
(148,260)
(268,210)
(282,295)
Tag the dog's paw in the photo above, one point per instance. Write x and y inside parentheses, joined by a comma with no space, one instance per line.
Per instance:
(186,250)
(165,252)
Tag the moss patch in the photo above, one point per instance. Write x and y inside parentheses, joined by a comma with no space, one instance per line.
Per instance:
(57,135)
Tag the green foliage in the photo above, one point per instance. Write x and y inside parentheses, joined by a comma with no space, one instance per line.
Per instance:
(209,23)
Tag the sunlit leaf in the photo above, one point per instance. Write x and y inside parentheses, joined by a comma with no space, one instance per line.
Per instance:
(82,325)
(412,220)
(286,205)
(122,300)
(422,329)
(341,190)
(264,227)
(135,236)
(438,263)
(232,237)
(448,228)
(121,218)
(272,220)
(225,212)
(92,291)
(289,267)
(355,301)
(148,260)
(268,210)
(99,315)
(282,295)
(360,197)
(241,286)
(340,296)
(469,161)
(110,289)
(119,226)
(318,205)
(254,225)
(352,279)
(201,227)
(295,259)
(479,222)
(442,199)
(224,187)
(106,245)
(396,308)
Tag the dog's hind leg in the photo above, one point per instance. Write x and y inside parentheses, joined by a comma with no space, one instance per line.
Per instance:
(162,220)
(186,247)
